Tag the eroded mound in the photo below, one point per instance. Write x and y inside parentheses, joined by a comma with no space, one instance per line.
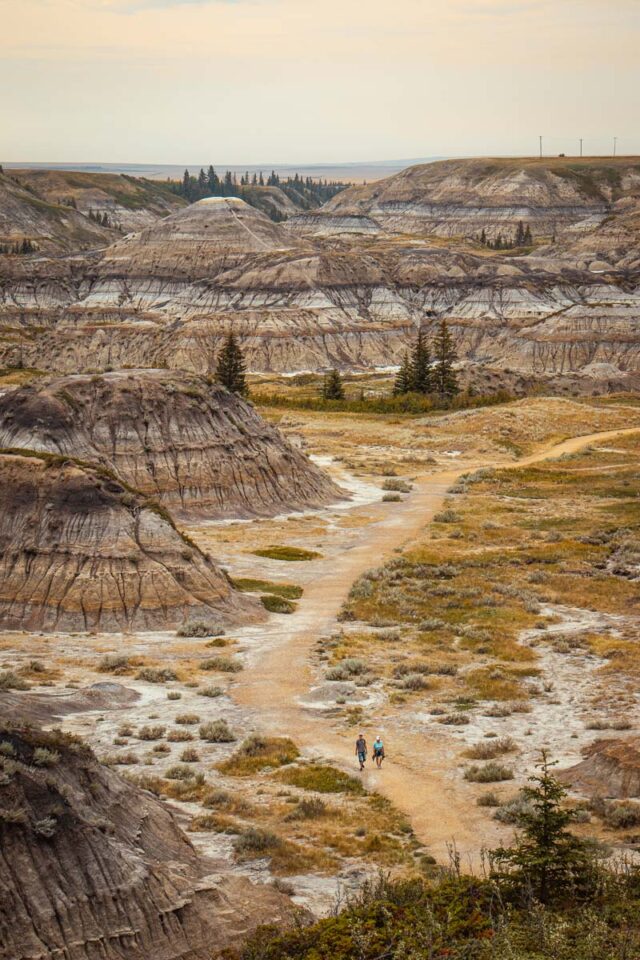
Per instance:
(197,239)
(200,449)
(91,866)
(79,551)
(611,768)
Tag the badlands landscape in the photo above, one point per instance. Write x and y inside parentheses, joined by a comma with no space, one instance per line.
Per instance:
(205,596)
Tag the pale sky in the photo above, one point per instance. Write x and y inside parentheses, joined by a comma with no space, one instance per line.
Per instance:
(298,81)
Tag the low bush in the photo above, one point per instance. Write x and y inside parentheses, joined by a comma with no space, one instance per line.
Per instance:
(179,736)
(277,604)
(174,695)
(211,691)
(257,753)
(216,731)
(187,719)
(309,808)
(114,663)
(397,485)
(488,773)
(43,757)
(346,669)
(200,628)
(179,771)
(189,755)
(9,680)
(490,749)
(223,664)
(391,498)
(156,674)
(151,732)
(622,816)
(252,841)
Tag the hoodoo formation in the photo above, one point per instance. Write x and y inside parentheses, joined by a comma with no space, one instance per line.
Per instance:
(80,551)
(92,866)
(197,448)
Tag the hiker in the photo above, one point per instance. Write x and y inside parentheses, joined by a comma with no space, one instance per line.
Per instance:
(361,750)
(378,751)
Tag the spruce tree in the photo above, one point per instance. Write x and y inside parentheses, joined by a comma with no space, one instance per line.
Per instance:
(546,861)
(404,378)
(332,388)
(445,380)
(421,379)
(527,238)
(230,368)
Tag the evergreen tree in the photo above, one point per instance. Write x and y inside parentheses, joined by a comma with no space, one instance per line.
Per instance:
(421,378)
(186,184)
(404,378)
(546,861)
(520,234)
(527,238)
(213,181)
(332,388)
(483,237)
(445,380)
(230,368)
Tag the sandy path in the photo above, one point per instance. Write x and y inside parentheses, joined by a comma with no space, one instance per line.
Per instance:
(419,777)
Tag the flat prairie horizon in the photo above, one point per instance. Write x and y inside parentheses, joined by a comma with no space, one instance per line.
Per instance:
(352,171)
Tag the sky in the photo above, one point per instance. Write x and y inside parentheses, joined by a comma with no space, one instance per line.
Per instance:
(303,81)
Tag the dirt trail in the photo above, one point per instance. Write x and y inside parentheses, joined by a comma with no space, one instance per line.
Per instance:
(419,777)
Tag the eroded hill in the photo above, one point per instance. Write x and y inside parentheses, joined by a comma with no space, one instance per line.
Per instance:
(80,551)
(199,449)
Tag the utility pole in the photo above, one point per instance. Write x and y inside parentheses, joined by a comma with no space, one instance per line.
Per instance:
(541,148)
(580,146)
(615,144)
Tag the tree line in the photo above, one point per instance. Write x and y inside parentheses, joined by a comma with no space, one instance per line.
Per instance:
(428,369)
(304,192)
(522,238)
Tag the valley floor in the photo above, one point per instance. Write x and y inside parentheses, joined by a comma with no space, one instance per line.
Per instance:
(348,657)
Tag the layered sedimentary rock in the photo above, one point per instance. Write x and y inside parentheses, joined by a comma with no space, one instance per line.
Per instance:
(197,448)
(304,296)
(611,768)
(79,551)
(461,198)
(93,867)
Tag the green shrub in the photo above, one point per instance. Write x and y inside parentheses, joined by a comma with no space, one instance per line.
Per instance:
(309,808)
(277,604)
(9,680)
(320,778)
(287,553)
(257,753)
(289,591)
(114,663)
(253,840)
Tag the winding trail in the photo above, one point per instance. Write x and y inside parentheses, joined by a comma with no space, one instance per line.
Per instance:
(419,776)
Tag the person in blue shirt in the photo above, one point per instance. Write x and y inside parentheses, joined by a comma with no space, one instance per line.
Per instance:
(378,751)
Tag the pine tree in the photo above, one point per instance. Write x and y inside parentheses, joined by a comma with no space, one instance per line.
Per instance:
(445,380)
(520,234)
(332,388)
(527,238)
(546,861)
(404,378)
(186,184)
(483,237)
(421,379)
(230,367)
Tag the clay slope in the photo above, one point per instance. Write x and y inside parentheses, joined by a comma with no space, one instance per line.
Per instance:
(131,203)
(93,867)
(196,241)
(460,198)
(51,227)
(611,768)
(196,447)
(565,314)
(81,552)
